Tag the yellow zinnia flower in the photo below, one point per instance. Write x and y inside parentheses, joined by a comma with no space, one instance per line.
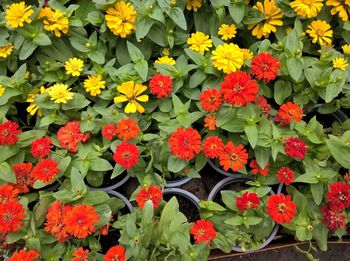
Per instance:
(227,57)
(272,19)
(307,8)
(193,4)
(33,107)
(131,93)
(165,60)
(60,93)
(227,31)
(55,21)
(321,32)
(17,14)
(74,66)
(247,54)
(340,63)
(346,49)
(6,50)
(2,90)
(340,7)
(120,19)
(199,42)
(94,84)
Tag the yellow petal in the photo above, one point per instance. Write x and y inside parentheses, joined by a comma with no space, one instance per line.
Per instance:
(142,98)
(139,88)
(130,107)
(120,98)
(139,108)
(126,88)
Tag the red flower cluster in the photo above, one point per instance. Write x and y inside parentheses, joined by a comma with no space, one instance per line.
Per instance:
(211,100)
(203,231)
(288,112)
(280,208)
(8,193)
(127,129)
(80,255)
(126,155)
(247,201)
(338,197)
(213,147)
(41,147)
(70,135)
(23,255)
(185,143)
(161,85)
(257,170)
(239,89)
(24,179)
(265,67)
(295,147)
(64,221)
(116,253)
(234,157)
(45,170)
(153,193)
(11,215)
(109,131)
(285,175)
(263,105)
(210,122)
(8,133)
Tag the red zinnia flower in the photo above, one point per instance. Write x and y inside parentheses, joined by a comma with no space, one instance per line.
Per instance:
(41,147)
(7,193)
(80,221)
(265,108)
(80,255)
(109,131)
(203,231)
(8,133)
(295,147)
(70,135)
(213,147)
(211,100)
(287,112)
(161,85)
(22,255)
(185,143)
(116,253)
(339,194)
(285,175)
(127,129)
(23,177)
(153,193)
(257,170)
(333,216)
(210,122)
(247,201)
(54,221)
(234,157)
(239,89)
(126,155)
(265,67)
(280,208)
(45,170)
(11,216)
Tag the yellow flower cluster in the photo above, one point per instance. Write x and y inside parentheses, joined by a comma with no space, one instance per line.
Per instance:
(120,19)
(342,7)
(227,31)
(320,32)
(131,93)
(193,4)
(227,57)
(94,84)
(17,14)
(165,60)
(6,50)
(60,93)
(74,66)
(307,8)
(340,63)
(199,42)
(33,107)
(54,21)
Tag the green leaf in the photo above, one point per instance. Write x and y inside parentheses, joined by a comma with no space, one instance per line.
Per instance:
(42,39)
(295,68)
(77,183)
(27,137)
(141,67)
(307,178)
(99,164)
(78,102)
(262,156)
(118,169)
(178,17)
(253,220)
(317,191)
(234,221)
(195,56)
(6,173)
(237,11)
(211,206)
(134,52)
(282,89)
(27,49)
(252,134)
(147,213)
(144,24)
(340,151)
(175,164)
(7,152)
(96,197)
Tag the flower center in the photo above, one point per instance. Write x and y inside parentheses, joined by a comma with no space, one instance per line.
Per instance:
(234,157)
(281,208)
(5,133)
(201,232)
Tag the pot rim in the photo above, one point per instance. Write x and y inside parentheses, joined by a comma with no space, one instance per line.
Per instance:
(178,191)
(226,173)
(177,183)
(217,188)
(339,114)
(122,198)
(114,186)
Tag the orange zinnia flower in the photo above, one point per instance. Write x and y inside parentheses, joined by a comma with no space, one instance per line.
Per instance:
(54,221)
(288,112)
(234,157)
(127,129)
(23,255)
(185,143)
(210,122)
(80,221)
(11,216)
(7,193)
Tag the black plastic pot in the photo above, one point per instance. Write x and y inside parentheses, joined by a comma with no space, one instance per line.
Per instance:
(114,186)
(177,183)
(235,175)
(218,187)
(337,116)
(122,198)
(187,195)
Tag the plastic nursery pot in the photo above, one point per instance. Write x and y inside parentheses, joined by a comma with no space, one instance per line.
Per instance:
(119,181)
(177,182)
(327,119)
(188,202)
(122,198)
(227,181)
(213,164)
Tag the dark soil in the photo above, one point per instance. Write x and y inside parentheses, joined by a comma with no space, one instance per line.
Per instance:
(110,240)
(186,207)
(325,119)
(236,186)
